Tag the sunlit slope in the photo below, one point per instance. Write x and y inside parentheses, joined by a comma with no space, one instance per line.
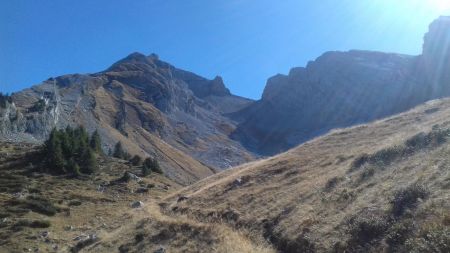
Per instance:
(336,192)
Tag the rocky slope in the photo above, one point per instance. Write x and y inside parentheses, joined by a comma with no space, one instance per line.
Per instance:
(340,89)
(152,107)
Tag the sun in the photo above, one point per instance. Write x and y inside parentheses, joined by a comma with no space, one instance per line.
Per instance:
(441,5)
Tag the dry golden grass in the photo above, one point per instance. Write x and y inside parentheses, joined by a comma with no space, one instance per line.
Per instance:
(285,197)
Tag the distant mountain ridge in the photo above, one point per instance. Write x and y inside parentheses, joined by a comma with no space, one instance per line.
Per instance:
(340,89)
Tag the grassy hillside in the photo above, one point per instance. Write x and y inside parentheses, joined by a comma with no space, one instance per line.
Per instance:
(379,187)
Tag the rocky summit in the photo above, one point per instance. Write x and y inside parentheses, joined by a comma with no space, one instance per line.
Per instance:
(147,104)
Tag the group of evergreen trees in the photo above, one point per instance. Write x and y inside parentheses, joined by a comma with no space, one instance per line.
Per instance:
(148,165)
(72,151)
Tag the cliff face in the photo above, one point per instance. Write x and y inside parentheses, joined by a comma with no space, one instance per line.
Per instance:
(152,107)
(436,54)
(340,89)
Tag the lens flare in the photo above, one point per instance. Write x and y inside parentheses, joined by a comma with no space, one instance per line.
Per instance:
(441,5)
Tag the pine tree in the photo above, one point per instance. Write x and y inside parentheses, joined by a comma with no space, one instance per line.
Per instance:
(81,138)
(146,171)
(88,161)
(73,168)
(55,158)
(118,151)
(96,142)
(155,167)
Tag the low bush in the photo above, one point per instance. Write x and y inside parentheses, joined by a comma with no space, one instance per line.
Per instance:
(408,198)
(136,160)
(75,203)
(332,182)
(33,223)
(38,106)
(35,204)
(4,215)
(399,233)
(417,142)
(366,174)
(367,226)
(435,238)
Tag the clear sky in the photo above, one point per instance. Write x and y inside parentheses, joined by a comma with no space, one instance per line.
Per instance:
(244,41)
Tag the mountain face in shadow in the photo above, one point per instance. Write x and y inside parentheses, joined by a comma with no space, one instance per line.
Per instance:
(340,89)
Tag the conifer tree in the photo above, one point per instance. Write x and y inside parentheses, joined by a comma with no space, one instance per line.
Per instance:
(136,160)
(152,165)
(96,142)
(88,161)
(118,151)
(55,158)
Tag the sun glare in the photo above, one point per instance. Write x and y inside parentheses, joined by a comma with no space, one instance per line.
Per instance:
(441,5)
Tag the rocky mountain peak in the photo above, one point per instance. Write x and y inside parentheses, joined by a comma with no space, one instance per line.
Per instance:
(217,87)
(436,51)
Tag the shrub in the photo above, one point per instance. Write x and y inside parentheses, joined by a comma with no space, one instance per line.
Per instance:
(136,160)
(421,140)
(399,233)
(411,145)
(435,238)
(366,227)
(36,204)
(360,161)
(407,198)
(387,155)
(75,203)
(38,106)
(366,174)
(32,224)
(152,165)
(331,183)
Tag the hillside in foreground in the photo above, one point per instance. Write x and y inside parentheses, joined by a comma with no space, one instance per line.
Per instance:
(381,187)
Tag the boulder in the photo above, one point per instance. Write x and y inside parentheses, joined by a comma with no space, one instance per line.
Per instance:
(137,204)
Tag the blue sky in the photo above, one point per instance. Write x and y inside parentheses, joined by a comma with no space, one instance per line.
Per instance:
(245,42)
